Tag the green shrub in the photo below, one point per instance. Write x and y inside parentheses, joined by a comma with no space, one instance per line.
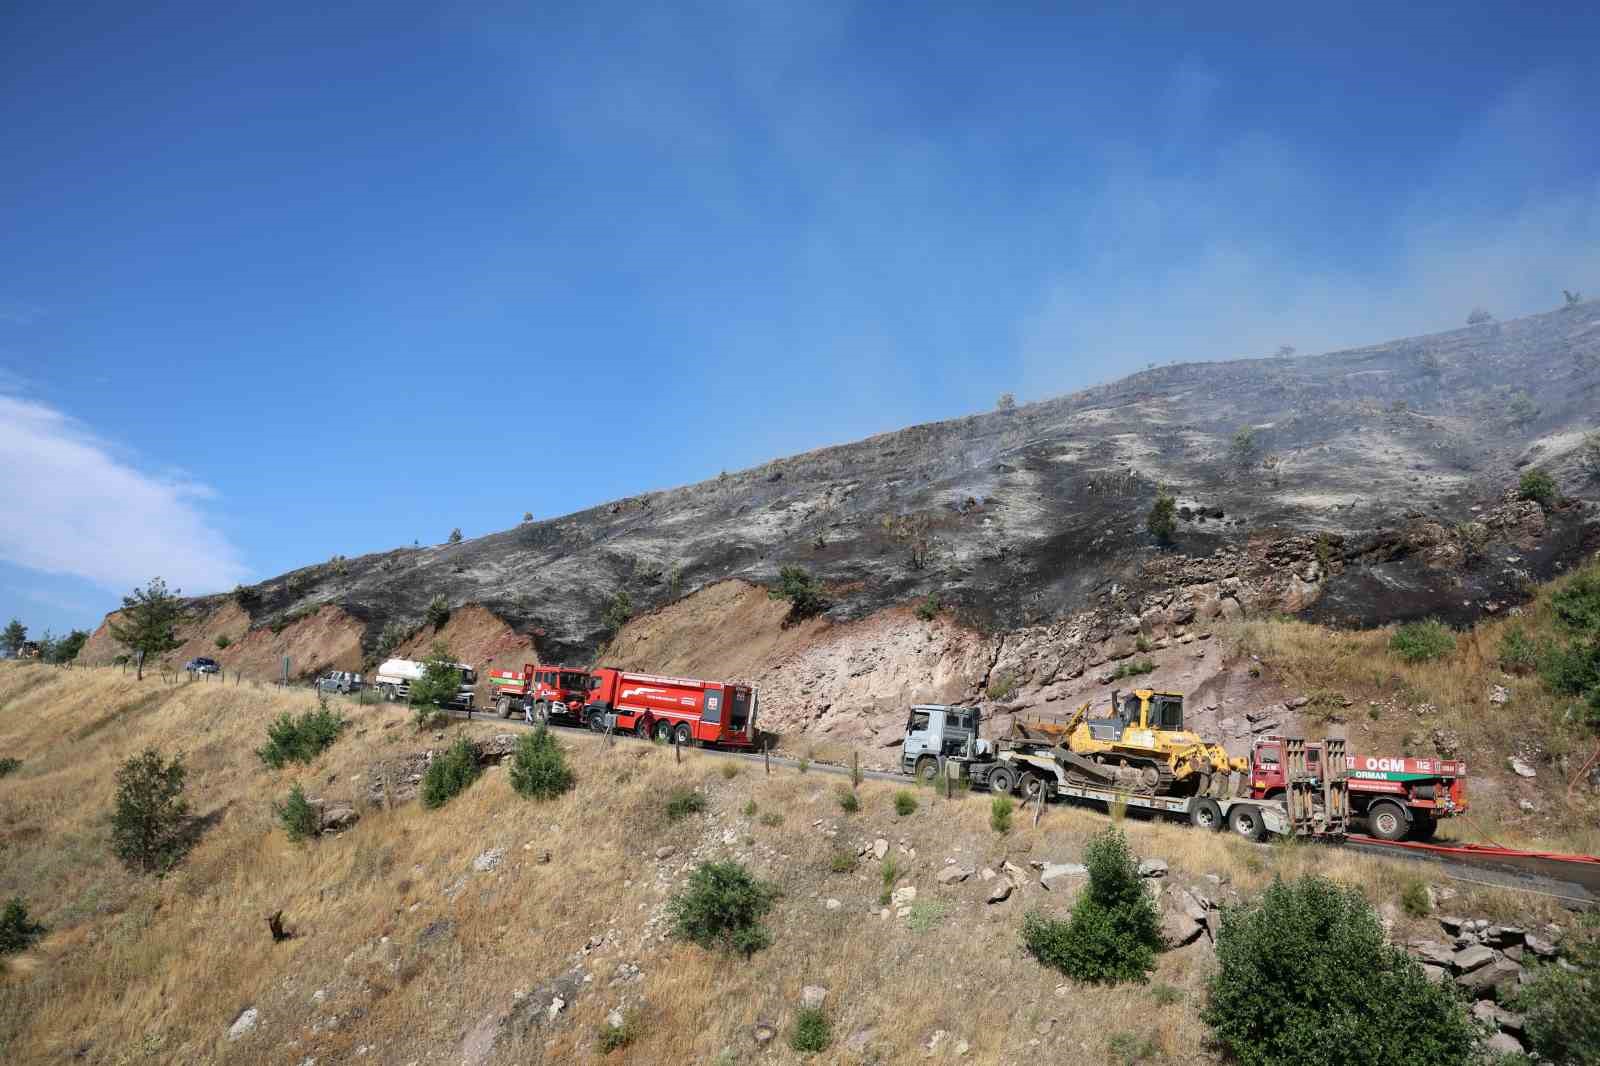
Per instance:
(298,818)
(682,802)
(1561,1008)
(842,862)
(9,765)
(439,684)
(925,914)
(928,609)
(1134,667)
(302,738)
(1518,653)
(1571,670)
(615,1037)
(450,774)
(150,827)
(811,1032)
(223,641)
(1162,520)
(539,767)
(1420,642)
(849,802)
(1577,606)
(17,930)
(802,591)
(1000,808)
(1002,685)
(772,819)
(1308,960)
(1414,899)
(617,612)
(721,907)
(1114,932)
(1165,995)
(1537,486)
(437,613)
(455,536)
(750,808)
(904,803)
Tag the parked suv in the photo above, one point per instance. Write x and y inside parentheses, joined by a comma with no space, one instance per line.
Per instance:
(340,681)
(202,666)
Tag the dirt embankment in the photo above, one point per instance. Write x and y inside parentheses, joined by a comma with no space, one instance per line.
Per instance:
(326,639)
(475,635)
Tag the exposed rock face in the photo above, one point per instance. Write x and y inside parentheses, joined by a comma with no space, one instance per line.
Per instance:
(1368,490)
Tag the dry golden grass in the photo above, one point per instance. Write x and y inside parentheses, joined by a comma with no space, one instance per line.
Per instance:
(412,949)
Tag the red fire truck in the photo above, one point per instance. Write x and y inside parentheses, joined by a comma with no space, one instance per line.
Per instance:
(541,693)
(672,708)
(1399,797)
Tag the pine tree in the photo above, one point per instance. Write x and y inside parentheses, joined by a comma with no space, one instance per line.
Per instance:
(149,623)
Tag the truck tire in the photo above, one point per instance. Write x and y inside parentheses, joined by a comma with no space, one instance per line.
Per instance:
(927,768)
(596,721)
(1247,822)
(685,735)
(1001,781)
(1424,827)
(664,731)
(1206,813)
(503,706)
(1387,821)
(1033,785)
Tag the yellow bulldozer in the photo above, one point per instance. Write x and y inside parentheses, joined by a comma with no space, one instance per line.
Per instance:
(1141,746)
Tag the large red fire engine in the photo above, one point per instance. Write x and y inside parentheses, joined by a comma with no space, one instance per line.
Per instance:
(677,709)
(541,693)
(1398,796)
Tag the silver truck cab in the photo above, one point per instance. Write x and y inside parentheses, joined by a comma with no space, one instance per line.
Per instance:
(935,733)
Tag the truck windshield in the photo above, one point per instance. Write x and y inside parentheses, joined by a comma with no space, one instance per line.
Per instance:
(469,676)
(1166,712)
(573,679)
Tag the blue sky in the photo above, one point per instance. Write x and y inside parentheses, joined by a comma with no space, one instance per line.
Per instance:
(280,281)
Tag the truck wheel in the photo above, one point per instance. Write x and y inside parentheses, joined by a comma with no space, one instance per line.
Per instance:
(1001,781)
(664,732)
(1387,821)
(1033,785)
(1423,827)
(927,768)
(1246,821)
(1206,814)
(388,693)
(503,705)
(685,735)
(597,721)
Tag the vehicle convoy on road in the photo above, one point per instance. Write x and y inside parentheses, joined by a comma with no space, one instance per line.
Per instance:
(1036,757)
(680,710)
(541,693)
(1398,797)
(395,677)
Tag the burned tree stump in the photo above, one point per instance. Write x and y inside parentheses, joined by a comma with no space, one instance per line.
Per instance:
(275,923)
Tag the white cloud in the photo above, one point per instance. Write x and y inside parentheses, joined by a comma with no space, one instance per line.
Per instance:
(71,507)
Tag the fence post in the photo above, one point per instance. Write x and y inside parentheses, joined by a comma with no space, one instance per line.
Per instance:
(1039,807)
(855,768)
(766,755)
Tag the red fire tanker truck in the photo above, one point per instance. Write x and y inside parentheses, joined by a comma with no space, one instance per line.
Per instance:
(677,709)
(541,693)
(1399,797)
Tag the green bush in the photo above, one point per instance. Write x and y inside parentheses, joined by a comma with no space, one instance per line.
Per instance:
(904,803)
(721,907)
(811,1032)
(1572,670)
(1518,653)
(539,767)
(750,808)
(682,802)
(9,765)
(615,1037)
(842,861)
(1134,667)
(1577,606)
(617,612)
(1163,518)
(1129,1049)
(928,609)
(1002,685)
(802,591)
(1309,960)
(17,930)
(1165,995)
(439,684)
(150,826)
(1537,486)
(1000,808)
(1114,932)
(1561,1008)
(772,819)
(450,774)
(849,802)
(437,612)
(302,738)
(298,818)
(1420,642)
(1414,899)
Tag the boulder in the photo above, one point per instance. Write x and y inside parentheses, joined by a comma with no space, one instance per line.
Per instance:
(1436,974)
(1472,958)
(763,1032)
(1521,768)
(1060,873)
(1498,695)
(880,848)
(954,874)
(488,860)
(1014,872)
(1503,1043)
(1451,925)
(1000,890)
(1153,868)
(665,851)
(903,896)
(1433,952)
(244,1024)
(1503,936)
(338,818)
(1498,978)
(812,996)
(1539,946)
